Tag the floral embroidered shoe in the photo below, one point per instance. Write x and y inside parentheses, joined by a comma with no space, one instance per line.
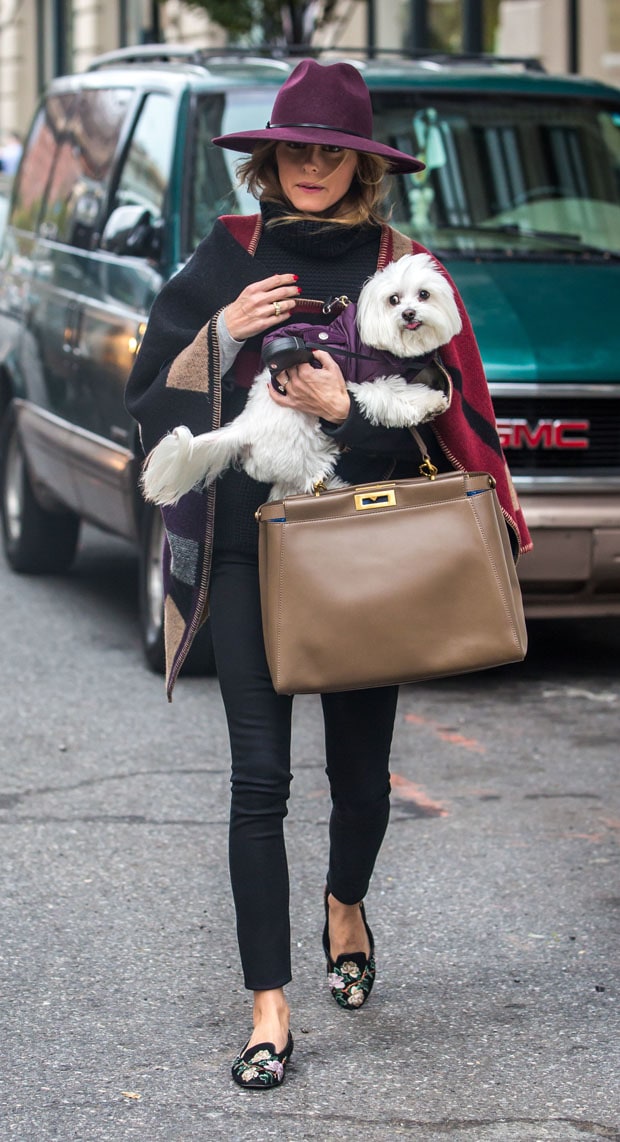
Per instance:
(261,1067)
(351,977)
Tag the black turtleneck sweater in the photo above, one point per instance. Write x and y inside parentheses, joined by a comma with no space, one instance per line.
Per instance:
(328,259)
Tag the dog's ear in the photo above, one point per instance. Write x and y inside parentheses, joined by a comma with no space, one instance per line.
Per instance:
(367,283)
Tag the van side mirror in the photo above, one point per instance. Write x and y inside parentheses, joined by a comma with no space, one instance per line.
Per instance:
(131,230)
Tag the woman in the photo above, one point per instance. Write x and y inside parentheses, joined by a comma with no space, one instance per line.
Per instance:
(320,178)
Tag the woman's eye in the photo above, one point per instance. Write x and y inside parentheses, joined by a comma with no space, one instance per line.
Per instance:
(332,150)
(394,299)
(424,295)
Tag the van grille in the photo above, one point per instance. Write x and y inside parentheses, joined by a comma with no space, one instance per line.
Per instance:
(546,444)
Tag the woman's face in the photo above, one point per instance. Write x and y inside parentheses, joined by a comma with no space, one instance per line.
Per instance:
(314,176)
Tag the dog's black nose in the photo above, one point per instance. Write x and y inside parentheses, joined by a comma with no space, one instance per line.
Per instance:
(408,315)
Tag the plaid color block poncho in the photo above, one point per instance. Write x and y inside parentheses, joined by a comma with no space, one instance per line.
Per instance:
(176,379)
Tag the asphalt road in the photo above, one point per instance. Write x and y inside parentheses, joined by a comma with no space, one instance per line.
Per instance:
(495,906)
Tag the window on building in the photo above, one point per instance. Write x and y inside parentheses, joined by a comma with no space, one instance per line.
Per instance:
(445,24)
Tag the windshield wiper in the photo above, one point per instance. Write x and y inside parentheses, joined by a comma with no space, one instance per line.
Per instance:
(513,229)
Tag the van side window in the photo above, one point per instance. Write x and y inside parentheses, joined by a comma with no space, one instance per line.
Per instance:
(211,171)
(81,176)
(211,190)
(145,172)
(48,128)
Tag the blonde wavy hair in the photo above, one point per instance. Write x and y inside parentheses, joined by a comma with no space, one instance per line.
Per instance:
(362,202)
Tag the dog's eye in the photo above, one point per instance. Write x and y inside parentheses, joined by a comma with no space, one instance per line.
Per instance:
(394,299)
(424,295)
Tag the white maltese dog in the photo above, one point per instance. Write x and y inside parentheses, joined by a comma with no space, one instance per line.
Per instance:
(405,311)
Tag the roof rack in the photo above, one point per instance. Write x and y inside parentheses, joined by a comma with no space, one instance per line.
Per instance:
(183,53)
(143,53)
(429,58)
(277,55)
(448,59)
(436,58)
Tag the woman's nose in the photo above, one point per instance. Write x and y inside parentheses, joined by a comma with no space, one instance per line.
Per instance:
(312,157)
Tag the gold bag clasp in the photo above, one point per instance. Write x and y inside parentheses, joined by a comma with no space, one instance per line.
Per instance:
(385,499)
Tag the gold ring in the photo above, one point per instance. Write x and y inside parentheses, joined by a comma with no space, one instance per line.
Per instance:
(276,308)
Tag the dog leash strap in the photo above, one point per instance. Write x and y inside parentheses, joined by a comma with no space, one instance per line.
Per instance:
(337,351)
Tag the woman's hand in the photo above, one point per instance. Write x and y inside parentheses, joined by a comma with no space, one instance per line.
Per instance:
(261,305)
(321,392)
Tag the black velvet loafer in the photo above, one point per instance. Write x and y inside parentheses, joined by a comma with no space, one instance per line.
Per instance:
(351,976)
(261,1067)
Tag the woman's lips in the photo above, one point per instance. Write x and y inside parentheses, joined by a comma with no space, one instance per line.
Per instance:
(310,186)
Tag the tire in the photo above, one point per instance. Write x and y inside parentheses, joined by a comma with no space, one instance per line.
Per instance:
(36,541)
(200,660)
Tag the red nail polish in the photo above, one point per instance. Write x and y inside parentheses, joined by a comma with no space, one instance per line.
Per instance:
(295,278)
(298,289)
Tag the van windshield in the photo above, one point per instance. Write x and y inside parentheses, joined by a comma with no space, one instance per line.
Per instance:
(506,176)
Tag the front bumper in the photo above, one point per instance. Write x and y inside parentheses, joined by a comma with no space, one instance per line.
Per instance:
(574,569)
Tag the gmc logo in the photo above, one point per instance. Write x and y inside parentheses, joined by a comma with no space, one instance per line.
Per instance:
(515,433)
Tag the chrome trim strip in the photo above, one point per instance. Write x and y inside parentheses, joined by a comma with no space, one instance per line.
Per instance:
(565,484)
(83,433)
(526,389)
(97,477)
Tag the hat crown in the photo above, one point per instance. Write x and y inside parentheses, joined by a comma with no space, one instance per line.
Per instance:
(319,105)
(333,96)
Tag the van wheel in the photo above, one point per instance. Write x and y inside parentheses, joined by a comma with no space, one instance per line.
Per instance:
(200,659)
(35,541)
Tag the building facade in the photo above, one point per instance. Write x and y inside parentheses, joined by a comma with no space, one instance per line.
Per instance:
(583,36)
(40,39)
(43,38)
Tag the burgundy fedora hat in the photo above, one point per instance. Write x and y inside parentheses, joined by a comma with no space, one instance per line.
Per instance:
(322,103)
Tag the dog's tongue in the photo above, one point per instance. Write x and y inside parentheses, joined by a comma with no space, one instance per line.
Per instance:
(413,324)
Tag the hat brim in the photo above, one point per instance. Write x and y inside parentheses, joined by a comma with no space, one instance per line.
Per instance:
(245,141)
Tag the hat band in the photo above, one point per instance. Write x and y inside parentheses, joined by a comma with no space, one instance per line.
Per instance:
(318,127)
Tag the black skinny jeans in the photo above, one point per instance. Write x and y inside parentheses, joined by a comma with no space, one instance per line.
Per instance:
(358,736)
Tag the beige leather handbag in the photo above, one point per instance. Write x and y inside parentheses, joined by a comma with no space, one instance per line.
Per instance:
(388,583)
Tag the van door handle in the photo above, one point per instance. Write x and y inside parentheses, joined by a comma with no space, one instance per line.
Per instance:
(70,331)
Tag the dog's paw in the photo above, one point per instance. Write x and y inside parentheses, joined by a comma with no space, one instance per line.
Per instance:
(393,403)
(437,403)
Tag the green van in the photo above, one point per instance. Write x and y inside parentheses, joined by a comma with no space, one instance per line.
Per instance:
(119,182)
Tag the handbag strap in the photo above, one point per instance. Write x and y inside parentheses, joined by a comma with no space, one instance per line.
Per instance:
(426,468)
